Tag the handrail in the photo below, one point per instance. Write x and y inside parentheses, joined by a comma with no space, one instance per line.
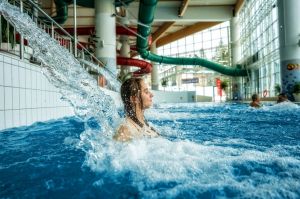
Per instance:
(64,31)
(51,27)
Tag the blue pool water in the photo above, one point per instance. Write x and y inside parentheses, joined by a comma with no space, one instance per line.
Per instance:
(206,151)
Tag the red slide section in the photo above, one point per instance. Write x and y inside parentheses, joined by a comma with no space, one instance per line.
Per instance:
(90,30)
(146,67)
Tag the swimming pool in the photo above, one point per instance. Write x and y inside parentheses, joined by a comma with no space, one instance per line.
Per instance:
(206,151)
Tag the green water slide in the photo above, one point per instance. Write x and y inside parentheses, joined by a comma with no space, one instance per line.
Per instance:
(146,17)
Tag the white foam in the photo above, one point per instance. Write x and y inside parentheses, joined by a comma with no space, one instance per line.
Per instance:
(194,166)
(283,106)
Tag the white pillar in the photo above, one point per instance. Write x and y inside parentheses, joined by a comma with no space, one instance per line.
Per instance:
(154,73)
(124,52)
(125,48)
(235,56)
(105,26)
(235,40)
(289,37)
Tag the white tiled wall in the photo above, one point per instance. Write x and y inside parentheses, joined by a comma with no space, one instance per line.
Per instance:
(26,96)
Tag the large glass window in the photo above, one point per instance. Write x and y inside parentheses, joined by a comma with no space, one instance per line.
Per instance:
(259,36)
(211,44)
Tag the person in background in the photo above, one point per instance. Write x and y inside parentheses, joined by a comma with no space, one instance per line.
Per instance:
(282,97)
(136,98)
(255,101)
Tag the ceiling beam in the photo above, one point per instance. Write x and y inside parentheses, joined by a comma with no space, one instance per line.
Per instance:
(185,32)
(161,30)
(238,6)
(193,14)
(183,8)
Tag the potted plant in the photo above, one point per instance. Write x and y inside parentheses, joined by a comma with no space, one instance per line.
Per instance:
(224,85)
(277,88)
(296,91)
(164,82)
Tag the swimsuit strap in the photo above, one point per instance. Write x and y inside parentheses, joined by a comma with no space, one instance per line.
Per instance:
(135,120)
(151,127)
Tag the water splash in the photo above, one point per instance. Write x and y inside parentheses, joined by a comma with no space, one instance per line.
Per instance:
(64,71)
(109,76)
(248,154)
(179,168)
(229,157)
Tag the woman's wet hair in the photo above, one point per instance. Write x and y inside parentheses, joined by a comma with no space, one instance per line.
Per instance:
(131,88)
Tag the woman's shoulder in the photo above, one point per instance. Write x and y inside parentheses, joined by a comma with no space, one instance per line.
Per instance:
(129,130)
(123,133)
(255,104)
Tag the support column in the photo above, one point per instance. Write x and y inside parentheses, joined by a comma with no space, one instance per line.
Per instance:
(154,73)
(235,40)
(289,37)
(235,56)
(125,48)
(124,52)
(105,26)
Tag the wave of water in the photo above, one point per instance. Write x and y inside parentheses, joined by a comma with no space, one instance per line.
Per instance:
(212,152)
(229,151)
(109,76)
(63,71)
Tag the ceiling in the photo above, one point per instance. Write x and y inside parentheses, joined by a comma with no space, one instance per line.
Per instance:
(174,19)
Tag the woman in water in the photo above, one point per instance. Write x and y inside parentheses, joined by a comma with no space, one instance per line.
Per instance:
(282,97)
(136,98)
(255,101)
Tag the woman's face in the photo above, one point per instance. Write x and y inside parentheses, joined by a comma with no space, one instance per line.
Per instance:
(146,95)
